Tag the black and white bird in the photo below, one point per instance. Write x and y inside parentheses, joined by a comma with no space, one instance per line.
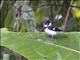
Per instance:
(50,29)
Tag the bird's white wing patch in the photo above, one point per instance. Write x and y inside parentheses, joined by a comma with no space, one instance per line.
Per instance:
(54,28)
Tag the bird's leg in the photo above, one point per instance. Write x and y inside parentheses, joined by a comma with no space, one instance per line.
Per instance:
(50,37)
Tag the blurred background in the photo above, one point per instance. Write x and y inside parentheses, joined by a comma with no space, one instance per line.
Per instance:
(28,15)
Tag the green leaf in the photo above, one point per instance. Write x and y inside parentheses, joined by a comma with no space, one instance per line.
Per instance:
(9,19)
(39,17)
(37,46)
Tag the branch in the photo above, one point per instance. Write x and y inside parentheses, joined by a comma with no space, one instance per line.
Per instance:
(59,5)
(66,18)
(1,4)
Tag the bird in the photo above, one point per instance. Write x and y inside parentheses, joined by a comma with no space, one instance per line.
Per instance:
(50,29)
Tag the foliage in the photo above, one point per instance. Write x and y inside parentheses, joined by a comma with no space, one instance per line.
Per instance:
(6,6)
(9,19)
(72,25)
(41,12)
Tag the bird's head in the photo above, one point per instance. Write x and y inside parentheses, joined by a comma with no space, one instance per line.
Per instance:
(47,24)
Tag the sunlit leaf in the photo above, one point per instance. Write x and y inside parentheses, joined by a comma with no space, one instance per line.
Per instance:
(37,46)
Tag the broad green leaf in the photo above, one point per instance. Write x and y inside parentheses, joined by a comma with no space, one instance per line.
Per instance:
(37,46)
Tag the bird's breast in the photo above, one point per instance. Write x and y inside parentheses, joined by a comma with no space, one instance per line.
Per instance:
(50,32)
